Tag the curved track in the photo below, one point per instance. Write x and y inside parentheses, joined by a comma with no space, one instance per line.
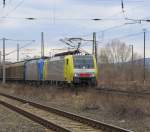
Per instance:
(56,119)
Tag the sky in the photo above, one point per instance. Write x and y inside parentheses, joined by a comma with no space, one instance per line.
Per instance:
(60,19)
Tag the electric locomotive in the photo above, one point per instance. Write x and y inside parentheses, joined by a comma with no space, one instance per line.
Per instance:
(80,69)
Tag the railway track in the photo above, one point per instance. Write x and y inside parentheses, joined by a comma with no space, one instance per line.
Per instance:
(123,92)
(55,119)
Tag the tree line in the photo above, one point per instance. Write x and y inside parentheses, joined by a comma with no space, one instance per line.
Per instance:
(116,65)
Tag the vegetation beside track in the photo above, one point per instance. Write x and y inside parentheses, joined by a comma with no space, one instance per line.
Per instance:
(125,111)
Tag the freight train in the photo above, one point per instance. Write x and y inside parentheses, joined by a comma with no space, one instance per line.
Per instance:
(66,68)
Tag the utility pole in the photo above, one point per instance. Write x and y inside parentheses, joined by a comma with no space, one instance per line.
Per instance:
(94,45)
(93,48)
(79,43)
(0,57)
(42,44)
(4,2)
(132,78)
(50,54)
(4,72)
(144,59)
(17,52)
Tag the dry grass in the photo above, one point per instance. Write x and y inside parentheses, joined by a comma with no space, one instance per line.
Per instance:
(123,73)
(126,106)
(129,86)
(118,106)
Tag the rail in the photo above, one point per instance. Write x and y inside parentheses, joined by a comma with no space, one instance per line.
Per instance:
(89,122)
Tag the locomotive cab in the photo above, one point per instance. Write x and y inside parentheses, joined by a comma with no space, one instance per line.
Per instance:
(81,69)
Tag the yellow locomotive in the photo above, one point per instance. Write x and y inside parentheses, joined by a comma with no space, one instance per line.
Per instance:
(80,69)
(76,69)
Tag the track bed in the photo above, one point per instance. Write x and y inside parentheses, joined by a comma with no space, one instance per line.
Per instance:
(56,119)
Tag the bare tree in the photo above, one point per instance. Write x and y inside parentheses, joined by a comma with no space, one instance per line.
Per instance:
(115,52)
(115,63)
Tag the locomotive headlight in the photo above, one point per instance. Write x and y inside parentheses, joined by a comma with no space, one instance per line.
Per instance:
(76,74)
(92,75)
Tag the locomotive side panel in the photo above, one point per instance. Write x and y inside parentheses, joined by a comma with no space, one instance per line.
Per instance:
(41,69)
(54,70)
(68,69)
(31,71)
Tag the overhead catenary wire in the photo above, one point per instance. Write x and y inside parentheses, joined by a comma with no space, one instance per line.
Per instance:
(133,20)
(129,21)
(74,19)
(19,40)
(34,18)
(69,19)
(21,47)
(126,36)
(129,35)
(100,31)
(110,28)
(106,29)
(7,39)
(63,19)
(12,10)
(117,26)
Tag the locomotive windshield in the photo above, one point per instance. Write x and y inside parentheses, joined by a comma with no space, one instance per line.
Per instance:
(81,62)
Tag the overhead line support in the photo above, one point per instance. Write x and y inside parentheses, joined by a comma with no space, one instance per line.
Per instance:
(4,70)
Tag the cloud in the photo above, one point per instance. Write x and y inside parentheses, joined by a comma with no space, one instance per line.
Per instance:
(63,18)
